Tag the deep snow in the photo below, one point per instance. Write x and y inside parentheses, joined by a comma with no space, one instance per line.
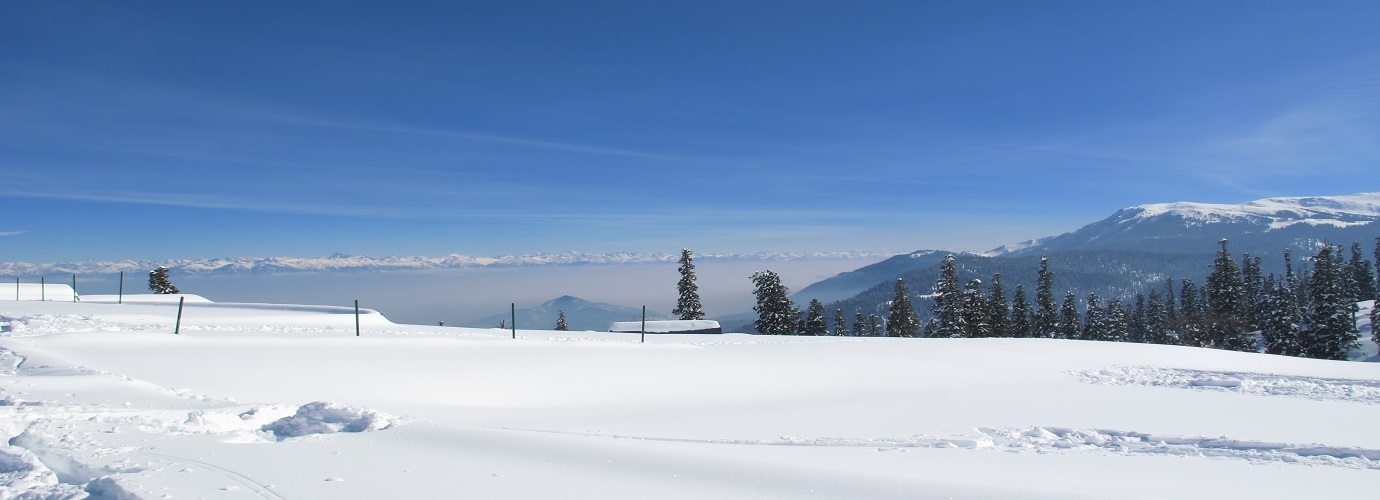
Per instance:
(272,401)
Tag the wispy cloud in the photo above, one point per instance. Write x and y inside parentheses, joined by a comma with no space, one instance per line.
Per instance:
(12,233)
(461,134)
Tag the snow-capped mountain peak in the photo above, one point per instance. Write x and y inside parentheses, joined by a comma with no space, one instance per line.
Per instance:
(1340,211)
(1265,225)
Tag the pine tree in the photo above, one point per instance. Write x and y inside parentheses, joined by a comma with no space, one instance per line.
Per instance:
(1045,320)
(902,321)
(1280,327)
(1254,281)
(1377,264)
(1172,331)
(815,322)
(1330,331)
(1094,320)
(1157,320)
(561,326)
(1069,326)
(776,315)
(948,302)
(1290,280)
(1118,322)
(1190,323)
(1361,282)
(159,282)
(1137,326)
(1375,306)
(975,315)
(1375,320)
(840,324)
(860,325)
(688,305)
(998,313)
(1020,314)
(874,328)
(1227,314)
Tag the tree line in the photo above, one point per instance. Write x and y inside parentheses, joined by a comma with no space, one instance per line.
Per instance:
(1309,313)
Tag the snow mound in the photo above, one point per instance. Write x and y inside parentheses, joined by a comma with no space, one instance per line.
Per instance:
(328,418)
(1259,384)
(21,470)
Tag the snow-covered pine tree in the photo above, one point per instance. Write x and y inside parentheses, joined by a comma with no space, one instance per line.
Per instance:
(1190,324)
(1020,313)
(948,302)
(902,321)
(159,282)
(1157,320)
(688,305)
(776,315)
(1254,281)
(1069,326)
(1290,280)
(1377,264)
(815,322)
(975,316)
(1280,327)
(1375,320)
(1172,331)
(875,326)
(1094,319)
(998,312)
(561,325)
(1375,306)
(1228,316)
(1360,280)
(1118,322)
(860,325)
(1331,320)
(1045,320)
(840,324)
(1136,330)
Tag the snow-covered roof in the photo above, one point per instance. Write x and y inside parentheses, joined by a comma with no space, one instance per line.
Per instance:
(666,326)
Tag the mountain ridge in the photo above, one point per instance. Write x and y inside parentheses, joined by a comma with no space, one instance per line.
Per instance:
(344,262)
(1260,227)
(1144,242)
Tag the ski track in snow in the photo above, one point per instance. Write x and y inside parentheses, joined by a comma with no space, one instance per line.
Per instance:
(259,488)
(1058,440)
(1258,384)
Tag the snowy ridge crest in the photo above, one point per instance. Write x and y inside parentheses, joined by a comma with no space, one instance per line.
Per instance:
(1340,211)
(342,262)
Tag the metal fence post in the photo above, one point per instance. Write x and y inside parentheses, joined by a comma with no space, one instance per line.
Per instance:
(177,327)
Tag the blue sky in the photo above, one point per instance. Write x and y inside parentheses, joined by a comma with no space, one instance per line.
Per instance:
(155,130)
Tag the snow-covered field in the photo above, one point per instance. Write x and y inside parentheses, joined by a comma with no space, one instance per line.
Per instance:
(273,401)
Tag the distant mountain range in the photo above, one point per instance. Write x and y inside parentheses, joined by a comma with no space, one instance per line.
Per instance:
(342,262)
(580,315)
(1126,253)
(1260,227)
